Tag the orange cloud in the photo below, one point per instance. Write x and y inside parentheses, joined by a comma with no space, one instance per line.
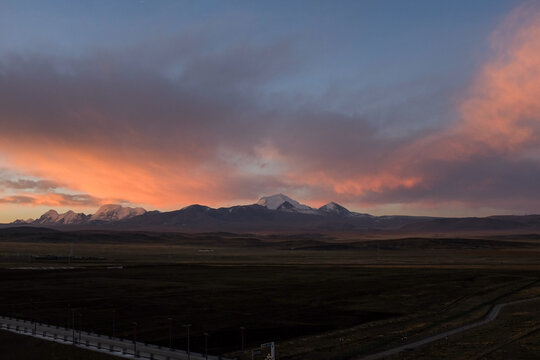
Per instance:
(107,174)
(500,118)
(52,199)
(156,143)
(503,110)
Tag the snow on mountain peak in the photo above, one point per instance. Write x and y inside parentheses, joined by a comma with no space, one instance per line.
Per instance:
(334,208)
(49,217)
(53,217)
(331,205)
(114,212)
(105,213)
(273,202)
(22,221)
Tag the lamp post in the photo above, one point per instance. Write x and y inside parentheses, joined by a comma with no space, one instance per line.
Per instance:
(80,326)
(135,339)
(68,314)
(33,317)
(170,332)
(113,322)
(188,342)
(206,345)
(32,312)
(73,325)
(242,336)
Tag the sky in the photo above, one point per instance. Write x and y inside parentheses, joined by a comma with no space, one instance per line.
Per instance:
(386,107)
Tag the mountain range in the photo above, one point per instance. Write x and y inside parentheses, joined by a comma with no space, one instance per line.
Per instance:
(273,213)
(106,213)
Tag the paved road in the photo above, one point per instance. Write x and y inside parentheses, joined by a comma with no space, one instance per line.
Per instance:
(96,342)
(486,319)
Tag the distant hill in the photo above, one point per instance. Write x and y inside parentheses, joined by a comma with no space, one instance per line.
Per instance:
(106,213)
(275,213)
(474,224)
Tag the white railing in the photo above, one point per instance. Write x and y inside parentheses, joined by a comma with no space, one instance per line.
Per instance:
(102,343)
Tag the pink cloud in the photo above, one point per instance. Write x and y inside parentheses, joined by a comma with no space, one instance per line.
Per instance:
(208,138)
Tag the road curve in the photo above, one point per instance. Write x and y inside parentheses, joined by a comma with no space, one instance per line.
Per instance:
(492,315)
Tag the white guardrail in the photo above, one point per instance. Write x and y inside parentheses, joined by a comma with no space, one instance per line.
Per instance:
(102,343)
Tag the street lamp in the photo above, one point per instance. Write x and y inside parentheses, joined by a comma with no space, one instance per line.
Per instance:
(73,325)
(188,343)
(33,317)
(80,326)
(206,345)
(68,313)
(113,321)
(32,313)
(170,332)
(242,335)
(134,339)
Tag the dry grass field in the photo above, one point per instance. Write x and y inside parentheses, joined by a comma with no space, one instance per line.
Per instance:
(20,347)
(306,292)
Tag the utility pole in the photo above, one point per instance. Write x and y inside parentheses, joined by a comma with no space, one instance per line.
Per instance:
(34,316)
(80,326)
(188,342)
(170,332)
(68,315)
(113,322)
(134,339)
(206,345)
(73,325)
(242,336)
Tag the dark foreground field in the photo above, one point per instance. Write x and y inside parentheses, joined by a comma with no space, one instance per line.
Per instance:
(304,292)
(21,347)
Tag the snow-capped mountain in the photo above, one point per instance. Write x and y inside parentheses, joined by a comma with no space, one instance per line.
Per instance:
(112,212)
(53,217)
(284,203)
(269,213)
(47,218)
(335,209)
(106,213)
(22,221)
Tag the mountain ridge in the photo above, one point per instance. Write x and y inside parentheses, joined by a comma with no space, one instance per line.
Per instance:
(274,213)
(105,213)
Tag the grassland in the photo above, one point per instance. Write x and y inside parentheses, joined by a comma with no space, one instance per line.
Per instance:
(21,347)
(306,292)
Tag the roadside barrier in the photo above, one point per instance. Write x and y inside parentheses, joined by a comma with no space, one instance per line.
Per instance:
(99,342)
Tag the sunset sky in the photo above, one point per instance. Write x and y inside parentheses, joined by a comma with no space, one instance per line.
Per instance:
(387,107)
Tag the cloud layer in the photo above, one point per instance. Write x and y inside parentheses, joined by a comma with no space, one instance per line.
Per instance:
(169,128)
